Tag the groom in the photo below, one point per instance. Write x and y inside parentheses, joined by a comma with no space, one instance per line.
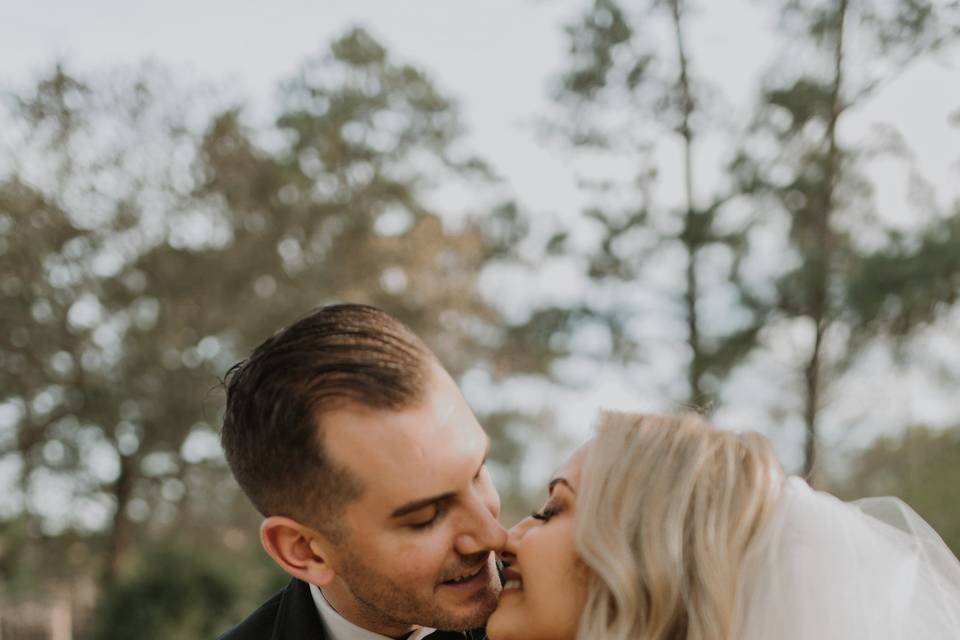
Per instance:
(370,471)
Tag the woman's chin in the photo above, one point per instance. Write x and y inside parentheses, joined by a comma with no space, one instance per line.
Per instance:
(515,619)
(504,624)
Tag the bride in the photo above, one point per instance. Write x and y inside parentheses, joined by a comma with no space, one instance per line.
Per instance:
(663,528)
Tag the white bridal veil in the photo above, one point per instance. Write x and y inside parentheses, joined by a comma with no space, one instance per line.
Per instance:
(823,569)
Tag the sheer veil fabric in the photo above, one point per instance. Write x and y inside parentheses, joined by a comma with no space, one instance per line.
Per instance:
(823,569)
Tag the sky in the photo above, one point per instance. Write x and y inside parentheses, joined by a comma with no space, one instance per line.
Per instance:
(497,59)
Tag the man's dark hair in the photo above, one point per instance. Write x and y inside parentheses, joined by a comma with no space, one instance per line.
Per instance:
(276,399)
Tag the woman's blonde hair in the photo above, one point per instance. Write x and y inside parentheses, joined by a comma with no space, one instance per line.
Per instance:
(666,509)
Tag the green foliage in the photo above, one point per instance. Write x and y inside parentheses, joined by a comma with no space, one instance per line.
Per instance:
(593,43)
(358,49)
(906,285)
(816,181)
(616,85)
(806,100)
(146,245)
(148,242)
(922,467)
(172,594)
(795,179)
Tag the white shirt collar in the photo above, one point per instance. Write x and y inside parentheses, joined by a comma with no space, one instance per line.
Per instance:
(339,628)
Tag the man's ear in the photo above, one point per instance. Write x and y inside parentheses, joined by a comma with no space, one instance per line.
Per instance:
(299,550)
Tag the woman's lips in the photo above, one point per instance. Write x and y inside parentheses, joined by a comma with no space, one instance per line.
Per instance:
(512,580)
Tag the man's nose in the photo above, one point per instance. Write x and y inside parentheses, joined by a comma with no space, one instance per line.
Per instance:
(509,551)
(483,534)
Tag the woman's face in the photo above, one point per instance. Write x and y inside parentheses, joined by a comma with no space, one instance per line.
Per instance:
(544,581)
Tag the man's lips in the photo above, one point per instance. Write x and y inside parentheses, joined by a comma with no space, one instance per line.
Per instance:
(468,578)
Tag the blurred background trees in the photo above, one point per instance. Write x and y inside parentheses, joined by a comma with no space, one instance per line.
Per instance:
(153,232)
(920,467)
(145,252)
(775,238)
(630,96)
(814,180)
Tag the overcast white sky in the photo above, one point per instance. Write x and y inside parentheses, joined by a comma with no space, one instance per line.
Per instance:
(495,57)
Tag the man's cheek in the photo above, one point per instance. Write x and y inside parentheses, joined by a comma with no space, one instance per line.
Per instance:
(423,560)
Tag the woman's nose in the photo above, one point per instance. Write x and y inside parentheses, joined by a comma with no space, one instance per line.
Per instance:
(514,536)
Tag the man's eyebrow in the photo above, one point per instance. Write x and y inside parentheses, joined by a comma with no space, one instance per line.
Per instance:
(423,503)
(416,505)
(560,480)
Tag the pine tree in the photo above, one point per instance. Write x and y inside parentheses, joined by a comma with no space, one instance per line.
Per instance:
(625,100)
(811,178)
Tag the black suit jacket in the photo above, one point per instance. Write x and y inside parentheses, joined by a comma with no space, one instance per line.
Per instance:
(291,614)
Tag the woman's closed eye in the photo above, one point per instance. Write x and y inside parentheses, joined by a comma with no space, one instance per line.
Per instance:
(546,513)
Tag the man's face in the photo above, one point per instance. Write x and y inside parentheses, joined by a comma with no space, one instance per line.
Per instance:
(419,541)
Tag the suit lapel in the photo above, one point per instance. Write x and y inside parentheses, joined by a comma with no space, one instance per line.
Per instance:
(476,634)
(297,616)
(298,619)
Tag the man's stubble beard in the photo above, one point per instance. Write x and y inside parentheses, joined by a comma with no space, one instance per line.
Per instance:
(384,602)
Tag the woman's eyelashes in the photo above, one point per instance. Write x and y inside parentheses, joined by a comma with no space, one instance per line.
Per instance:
(550,510)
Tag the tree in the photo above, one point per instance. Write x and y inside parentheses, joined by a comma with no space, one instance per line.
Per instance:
(79,206)
(346,204)
(619,94)
(807,176)
(176,593)
(146,245)
(921,467)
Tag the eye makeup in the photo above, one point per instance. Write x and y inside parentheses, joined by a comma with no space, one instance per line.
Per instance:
(545,514)
(554,507)
(555,503)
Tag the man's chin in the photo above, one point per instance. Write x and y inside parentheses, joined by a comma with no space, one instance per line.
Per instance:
(465,619)
(467,611)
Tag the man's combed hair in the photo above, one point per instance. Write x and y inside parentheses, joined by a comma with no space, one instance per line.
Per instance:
(276,399)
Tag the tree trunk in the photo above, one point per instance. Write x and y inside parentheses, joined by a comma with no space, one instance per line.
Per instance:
(122,491)
(691,237)
(821,312)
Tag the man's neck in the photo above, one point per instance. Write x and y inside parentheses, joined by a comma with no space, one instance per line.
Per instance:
(339,597)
